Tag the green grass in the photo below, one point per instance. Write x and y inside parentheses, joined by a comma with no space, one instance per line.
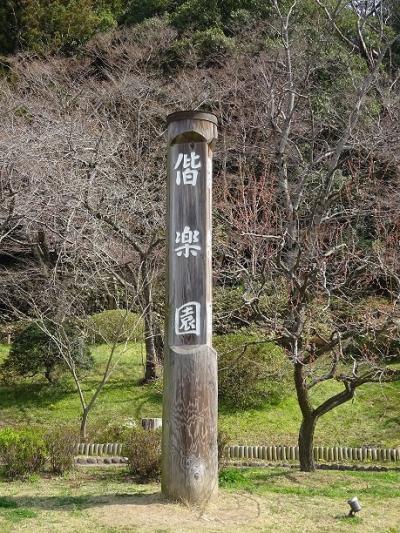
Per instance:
(34,401)
(371,418)
(20,514)
(335,484)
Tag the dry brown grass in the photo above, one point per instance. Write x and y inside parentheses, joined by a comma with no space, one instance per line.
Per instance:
(108,501)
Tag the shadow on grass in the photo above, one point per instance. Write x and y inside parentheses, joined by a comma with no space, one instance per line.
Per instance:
(27,395)
(73,503)
(265,474)
(142,401)
(229,409)
(130,385)
(349,520)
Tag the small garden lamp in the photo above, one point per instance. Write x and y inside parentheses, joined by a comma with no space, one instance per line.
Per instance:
(355,506)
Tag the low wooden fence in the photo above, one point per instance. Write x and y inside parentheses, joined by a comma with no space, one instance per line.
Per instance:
(272,453)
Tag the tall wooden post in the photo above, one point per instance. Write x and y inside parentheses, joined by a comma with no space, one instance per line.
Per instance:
(190,458)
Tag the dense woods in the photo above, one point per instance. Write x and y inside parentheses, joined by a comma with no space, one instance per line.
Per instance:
(306,181)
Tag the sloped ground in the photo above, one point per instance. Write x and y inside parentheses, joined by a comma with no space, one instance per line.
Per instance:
(372,418)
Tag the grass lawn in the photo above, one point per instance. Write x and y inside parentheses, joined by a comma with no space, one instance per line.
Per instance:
(373,417)
(268,500)
(36,402)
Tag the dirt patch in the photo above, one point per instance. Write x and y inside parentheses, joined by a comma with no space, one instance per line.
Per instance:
(150,512)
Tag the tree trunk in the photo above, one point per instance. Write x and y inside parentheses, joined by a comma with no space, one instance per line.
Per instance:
(159,341)
(83,430)
(306,444)
(150,373)
(148,319)
(151,354)
(306,434)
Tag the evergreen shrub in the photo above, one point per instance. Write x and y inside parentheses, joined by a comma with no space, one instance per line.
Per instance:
(35,351)
(115,325)
(251,372)
(23,452)
(55,26)
(212,46)
(106,430)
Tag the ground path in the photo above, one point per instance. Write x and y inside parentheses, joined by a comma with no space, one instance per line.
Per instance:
(107,500)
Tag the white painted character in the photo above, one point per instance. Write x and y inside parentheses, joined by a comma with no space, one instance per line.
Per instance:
(187,319)
(190,164)
(186,239)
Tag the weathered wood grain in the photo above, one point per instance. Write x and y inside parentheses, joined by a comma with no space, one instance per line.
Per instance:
(190,456)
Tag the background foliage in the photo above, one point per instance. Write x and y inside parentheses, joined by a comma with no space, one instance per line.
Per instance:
(33,351)
(251,372)
(23,452)
(82,211)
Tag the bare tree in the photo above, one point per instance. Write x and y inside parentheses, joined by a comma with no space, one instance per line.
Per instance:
(66,279)
(315,245)
(307,194)
(93,175)
(69,341)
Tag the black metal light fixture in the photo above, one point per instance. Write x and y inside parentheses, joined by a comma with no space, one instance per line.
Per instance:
(355,506)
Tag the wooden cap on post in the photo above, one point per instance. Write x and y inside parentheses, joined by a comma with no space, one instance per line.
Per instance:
(192,123)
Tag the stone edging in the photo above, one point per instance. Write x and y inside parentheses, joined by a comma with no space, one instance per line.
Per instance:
(318,466)
(94,461)
(107,461)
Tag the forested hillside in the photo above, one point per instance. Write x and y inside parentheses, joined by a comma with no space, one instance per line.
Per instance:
(306,184)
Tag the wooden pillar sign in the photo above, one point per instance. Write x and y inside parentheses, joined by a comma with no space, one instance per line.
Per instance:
(190,457)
